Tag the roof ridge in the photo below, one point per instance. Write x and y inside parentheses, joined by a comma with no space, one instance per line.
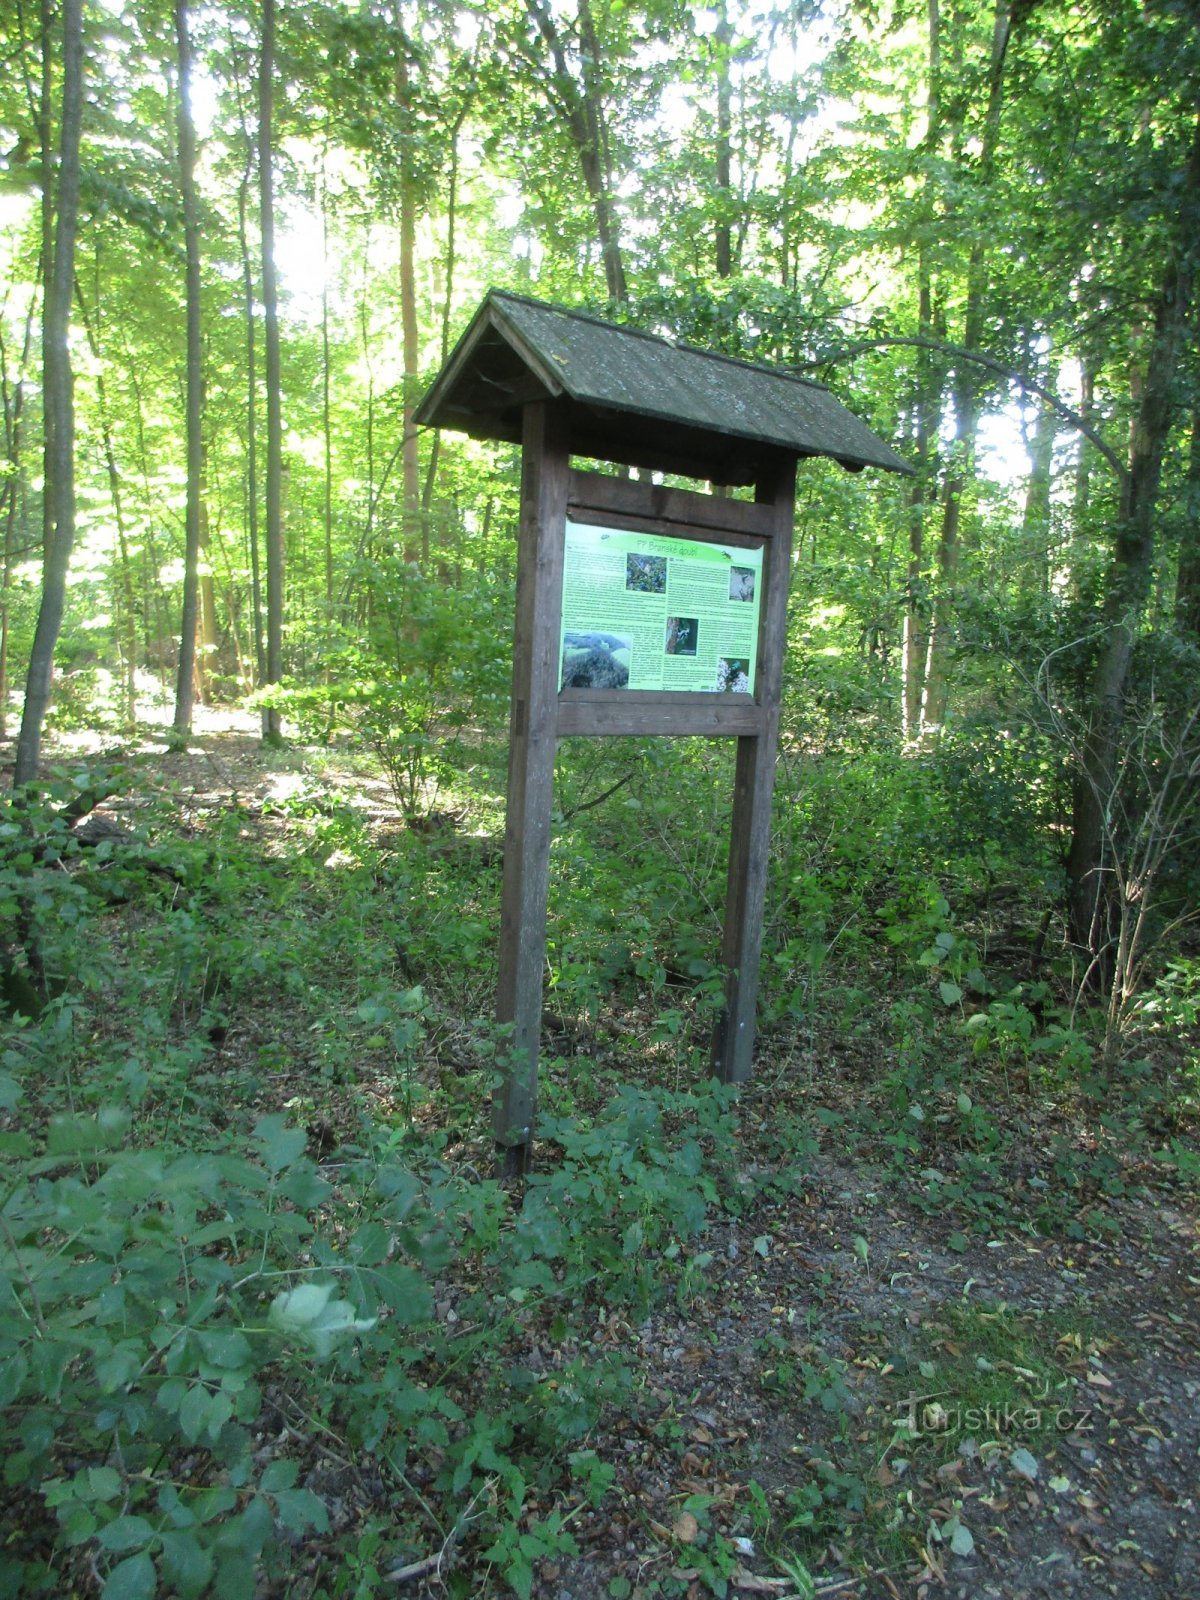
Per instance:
(657,338)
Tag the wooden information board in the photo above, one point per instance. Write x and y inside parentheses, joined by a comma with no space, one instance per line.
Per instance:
(590,628)
(640,609)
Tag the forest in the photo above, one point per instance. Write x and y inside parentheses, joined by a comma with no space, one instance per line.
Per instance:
(915,1311)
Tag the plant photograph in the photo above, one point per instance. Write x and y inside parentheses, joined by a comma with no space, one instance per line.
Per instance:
(646,574)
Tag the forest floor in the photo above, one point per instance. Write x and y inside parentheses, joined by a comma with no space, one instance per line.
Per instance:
(855,1397)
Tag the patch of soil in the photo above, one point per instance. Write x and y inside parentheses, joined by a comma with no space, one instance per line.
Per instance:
(1100,1501)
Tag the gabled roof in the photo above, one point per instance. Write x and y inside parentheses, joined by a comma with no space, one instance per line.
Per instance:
(637,398)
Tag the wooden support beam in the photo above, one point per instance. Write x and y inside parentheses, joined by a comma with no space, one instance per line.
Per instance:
(595,712)
(596,491)
(532,735)
(750,833)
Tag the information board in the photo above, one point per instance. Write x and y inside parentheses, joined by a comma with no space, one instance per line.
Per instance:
(651,611)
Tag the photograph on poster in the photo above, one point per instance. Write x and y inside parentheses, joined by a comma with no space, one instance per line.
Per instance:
(595,660)
(658,612)
(683,635)
(646,574)
(733,675)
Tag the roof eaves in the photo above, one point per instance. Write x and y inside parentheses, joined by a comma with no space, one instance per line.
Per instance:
(554,380)
(487,316)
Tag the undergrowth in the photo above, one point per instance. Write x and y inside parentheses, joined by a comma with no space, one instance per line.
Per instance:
(248,1213)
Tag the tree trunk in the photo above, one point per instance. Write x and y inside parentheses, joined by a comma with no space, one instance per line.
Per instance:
(451,262)
(272,728)
(1187,582)
(1036,519)
(326,423)
(208,655)
(58,396)
(153,601)
(723,39)
(1130,577)
(928,404)
(125,596)
(251,315)
(579,103)
(415,537)
(185,674)
(961,467)
(10,499)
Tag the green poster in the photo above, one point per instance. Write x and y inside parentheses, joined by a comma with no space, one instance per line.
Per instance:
(647,611)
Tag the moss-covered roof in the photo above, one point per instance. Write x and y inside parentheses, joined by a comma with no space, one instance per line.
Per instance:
(637,398)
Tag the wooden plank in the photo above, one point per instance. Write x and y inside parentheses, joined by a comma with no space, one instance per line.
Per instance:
(532,734)
(750,832)
(595,517)
(665,446)
(594,712)
(701,513)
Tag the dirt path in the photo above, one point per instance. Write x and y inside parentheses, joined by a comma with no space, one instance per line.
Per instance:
(1098,1497)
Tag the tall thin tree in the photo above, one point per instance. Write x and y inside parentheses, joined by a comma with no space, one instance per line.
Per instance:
(57,389)
(185,679)
(272,729)
(1131,571)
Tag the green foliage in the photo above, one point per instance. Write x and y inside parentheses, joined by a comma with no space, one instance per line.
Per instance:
(435,673)
(139,1277)
(628,1196)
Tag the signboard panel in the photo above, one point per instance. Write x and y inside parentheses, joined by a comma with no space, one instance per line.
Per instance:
(652,611)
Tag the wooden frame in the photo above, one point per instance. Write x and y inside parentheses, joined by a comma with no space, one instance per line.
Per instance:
(542,713)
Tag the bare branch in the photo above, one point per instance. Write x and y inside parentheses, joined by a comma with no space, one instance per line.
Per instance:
(961,353)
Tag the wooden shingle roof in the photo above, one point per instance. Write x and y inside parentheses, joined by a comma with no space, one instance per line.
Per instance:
(639,399)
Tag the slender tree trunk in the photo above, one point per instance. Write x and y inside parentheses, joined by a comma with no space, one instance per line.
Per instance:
(126,597)
(1036,519)
(367,544)
(1130,575)
(58,396)
(46,140)
(1083,469)
(961,467)
(415,537)
(451,262)
(579,103)
(272,728)
(723,40)
(326,423)
(208,655)
(14,411)
(185,675)
(928,404)
(154,602)
(251,314)
(1187,583)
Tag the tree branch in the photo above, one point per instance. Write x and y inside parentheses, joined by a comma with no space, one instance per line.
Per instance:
(961,353)
(597,800)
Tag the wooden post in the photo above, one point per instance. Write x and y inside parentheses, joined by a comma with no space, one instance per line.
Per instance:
(532,736)
(750,835)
